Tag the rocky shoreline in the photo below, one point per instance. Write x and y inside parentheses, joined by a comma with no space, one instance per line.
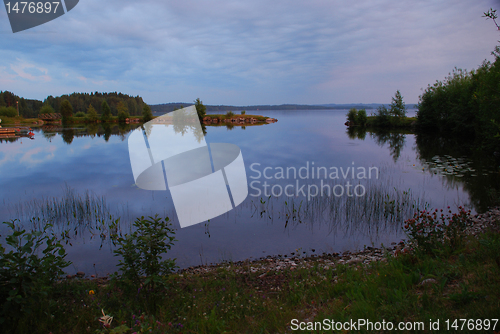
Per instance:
(478,224)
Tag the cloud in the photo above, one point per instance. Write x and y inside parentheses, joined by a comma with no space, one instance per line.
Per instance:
(241,52)
(38,155)
(30,72)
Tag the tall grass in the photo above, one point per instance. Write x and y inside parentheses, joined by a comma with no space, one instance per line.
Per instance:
(384,207)
(72,211)
(78,208)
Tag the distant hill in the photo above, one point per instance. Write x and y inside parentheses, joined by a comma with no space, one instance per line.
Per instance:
(168,107)
(363,105)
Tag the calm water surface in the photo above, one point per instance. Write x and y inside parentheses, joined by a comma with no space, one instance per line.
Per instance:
(92,164)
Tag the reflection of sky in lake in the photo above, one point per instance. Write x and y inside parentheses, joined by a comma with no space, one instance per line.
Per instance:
(39,168)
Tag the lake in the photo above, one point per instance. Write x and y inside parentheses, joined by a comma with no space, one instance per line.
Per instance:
(334,189)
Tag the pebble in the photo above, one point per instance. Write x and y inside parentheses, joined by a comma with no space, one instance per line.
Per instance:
(478,224)
(428,281)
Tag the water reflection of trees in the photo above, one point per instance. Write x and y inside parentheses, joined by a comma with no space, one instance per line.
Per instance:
(484,187)
(68,135)
(395,140)
(187,122)
(104,130)
(482,184)
(356,132)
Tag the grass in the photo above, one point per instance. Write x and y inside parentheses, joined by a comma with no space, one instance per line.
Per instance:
(69,214)
(383,208)
(251,297)
(17,120)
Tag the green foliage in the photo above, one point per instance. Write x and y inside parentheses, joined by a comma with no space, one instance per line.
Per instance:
(229,114)
(398,108)
(122,112)
(28,271)
(200,108)
(383,117)
(435,232)
(27,108)
(92,114)
(141,254)
(352,116)
(147,114)
(66,110)
(105,112)
(357,117)
(465,104)
(122,107)
(80,114)
(8,111)
(122,116)
(362,118)
(243,112)
(47,109)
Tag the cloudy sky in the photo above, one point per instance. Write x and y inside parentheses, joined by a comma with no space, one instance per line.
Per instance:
(248,52)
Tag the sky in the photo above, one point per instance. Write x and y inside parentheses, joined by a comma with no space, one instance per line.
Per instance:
(248,52)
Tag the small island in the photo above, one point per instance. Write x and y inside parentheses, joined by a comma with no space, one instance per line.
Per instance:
(232,119)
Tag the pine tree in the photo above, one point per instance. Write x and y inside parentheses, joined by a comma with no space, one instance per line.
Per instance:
(92,114)
(106,112)
(66,110)
(122,112)
(200,108)
(398,107)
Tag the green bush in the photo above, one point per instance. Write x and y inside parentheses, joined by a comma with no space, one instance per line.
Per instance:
(66,110)
(465,104)
(92,114)
(243,112)
(362,118)
(122,116)
(434,232)
(47,109)
(28,271)
(229,114)
(142,265)
(147,114)
(8,111)
(383,118)
(352,116)
(80,114)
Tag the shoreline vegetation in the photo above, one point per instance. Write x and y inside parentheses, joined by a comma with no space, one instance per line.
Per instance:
(464,104)
(449,271)
(388,119)
(105,114)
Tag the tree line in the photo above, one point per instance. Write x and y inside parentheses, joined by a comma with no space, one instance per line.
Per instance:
(466,103)
(80,102)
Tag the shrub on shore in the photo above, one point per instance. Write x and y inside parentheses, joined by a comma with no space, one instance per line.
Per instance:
(8,111)
(26,277)
(465,104)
